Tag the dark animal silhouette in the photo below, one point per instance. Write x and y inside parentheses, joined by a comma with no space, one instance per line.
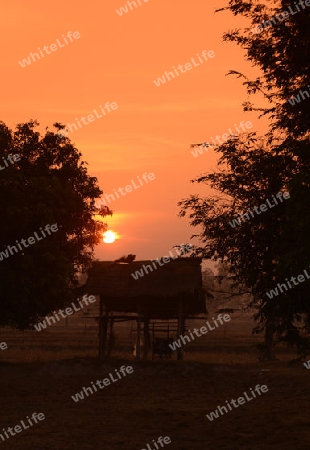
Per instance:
(161,347)
(204,144)
(183,249)
(126,259)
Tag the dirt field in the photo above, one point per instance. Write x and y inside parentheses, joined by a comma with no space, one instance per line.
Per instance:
(40,373)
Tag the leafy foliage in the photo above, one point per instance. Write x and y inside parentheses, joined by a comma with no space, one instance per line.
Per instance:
(49,184)
(273,245)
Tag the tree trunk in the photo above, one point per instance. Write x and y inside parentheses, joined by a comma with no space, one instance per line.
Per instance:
(269,340)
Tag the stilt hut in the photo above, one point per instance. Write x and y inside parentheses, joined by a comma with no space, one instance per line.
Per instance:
(145,291)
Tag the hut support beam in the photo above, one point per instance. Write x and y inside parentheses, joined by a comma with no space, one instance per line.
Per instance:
(111,336)
(180,330)
(146,337)
(138,344)
(103,329)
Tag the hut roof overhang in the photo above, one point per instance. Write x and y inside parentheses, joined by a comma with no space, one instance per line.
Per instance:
(156,294)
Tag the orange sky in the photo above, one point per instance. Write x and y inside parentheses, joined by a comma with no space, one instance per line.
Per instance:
(116,59)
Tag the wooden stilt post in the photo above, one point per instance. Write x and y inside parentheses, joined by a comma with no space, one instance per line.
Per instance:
(153,342)
(103,329)
(146,337)
(179,350)
(138,345)
(105,333)
(183,328)
(111,335)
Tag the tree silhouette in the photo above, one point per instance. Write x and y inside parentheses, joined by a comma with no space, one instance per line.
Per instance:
(272,246)
(48,185)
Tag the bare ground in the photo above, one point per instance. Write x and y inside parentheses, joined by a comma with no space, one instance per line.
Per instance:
(160,398)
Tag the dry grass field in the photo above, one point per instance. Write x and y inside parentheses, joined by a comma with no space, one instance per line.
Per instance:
(41,371)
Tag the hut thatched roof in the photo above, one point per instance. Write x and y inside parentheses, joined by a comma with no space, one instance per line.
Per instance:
(157,294)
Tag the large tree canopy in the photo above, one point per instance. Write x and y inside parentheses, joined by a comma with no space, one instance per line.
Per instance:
(46,184)
(272,246)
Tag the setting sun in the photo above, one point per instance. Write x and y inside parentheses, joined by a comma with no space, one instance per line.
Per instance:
(109,237)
